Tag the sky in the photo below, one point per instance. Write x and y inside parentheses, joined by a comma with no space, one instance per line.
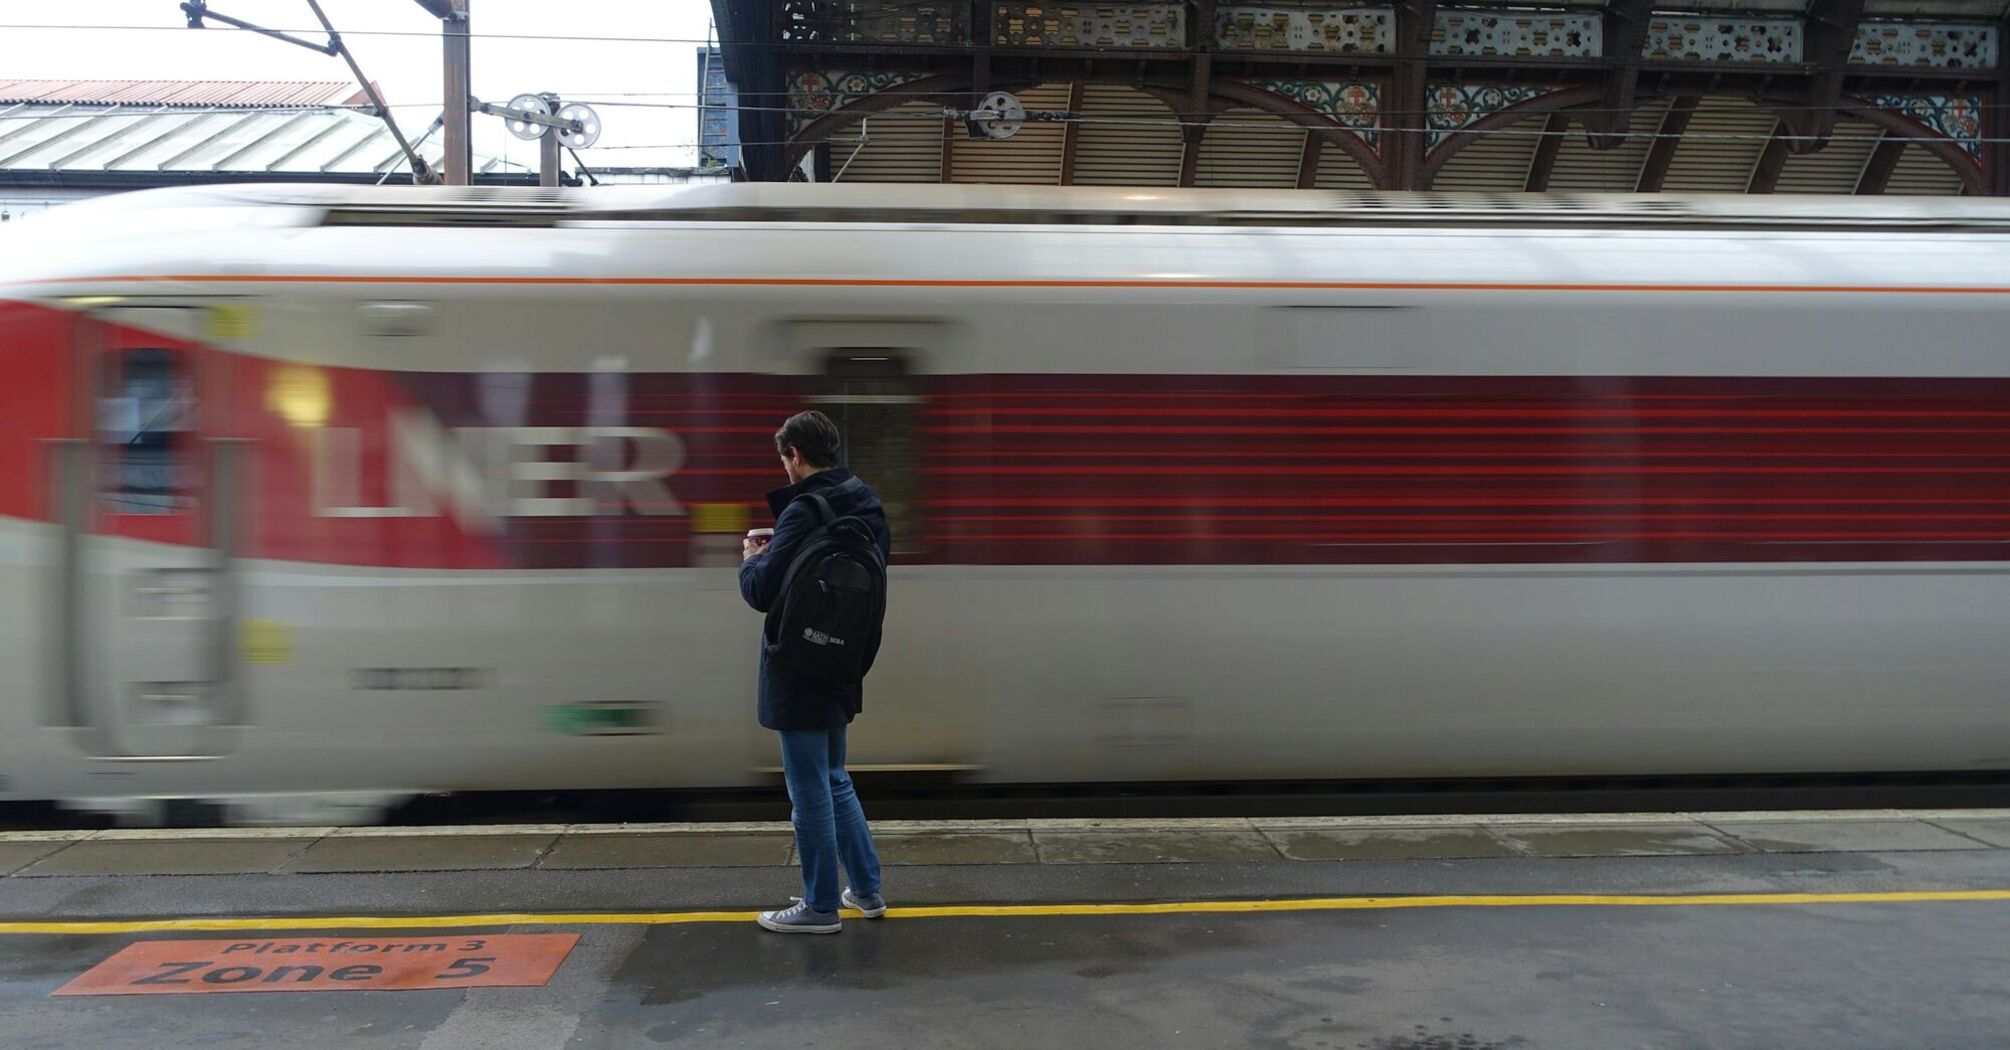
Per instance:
(643,69)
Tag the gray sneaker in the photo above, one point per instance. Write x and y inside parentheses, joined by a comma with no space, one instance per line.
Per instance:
(800,918)
(873,905)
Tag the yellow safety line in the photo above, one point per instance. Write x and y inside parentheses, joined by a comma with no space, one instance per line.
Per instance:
(955,911)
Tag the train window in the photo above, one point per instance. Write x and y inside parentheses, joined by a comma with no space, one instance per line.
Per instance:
(872,399)
(146,418)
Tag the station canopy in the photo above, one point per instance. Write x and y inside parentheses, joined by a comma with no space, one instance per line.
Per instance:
(96,135)
(1779,96)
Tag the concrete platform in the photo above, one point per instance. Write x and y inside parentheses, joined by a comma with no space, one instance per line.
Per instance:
(1782,930)
(252,851)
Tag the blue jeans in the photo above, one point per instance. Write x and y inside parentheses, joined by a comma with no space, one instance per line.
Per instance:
(829,821)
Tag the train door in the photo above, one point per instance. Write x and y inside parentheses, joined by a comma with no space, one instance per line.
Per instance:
(924,697)
(146,494)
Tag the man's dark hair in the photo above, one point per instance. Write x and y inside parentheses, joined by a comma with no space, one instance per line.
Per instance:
(812,434)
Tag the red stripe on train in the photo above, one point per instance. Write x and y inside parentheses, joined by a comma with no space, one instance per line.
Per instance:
(478,471)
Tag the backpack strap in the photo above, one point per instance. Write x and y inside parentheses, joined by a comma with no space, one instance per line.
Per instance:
(821,507)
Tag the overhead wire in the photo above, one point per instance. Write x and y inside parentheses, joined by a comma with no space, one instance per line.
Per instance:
(1184,119)
(624,99)
(1269,122)
(924,94)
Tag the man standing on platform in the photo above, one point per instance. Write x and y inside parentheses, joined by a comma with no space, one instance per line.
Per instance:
(821,578)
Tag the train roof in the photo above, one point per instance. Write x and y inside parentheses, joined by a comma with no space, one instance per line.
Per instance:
(778,202)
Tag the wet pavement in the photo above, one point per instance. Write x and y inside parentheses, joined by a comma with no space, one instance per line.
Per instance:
(1373,946)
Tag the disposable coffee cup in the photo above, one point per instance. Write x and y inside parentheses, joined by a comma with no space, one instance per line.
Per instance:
(761,535)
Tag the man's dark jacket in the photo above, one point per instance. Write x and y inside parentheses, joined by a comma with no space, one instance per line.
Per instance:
(787,700)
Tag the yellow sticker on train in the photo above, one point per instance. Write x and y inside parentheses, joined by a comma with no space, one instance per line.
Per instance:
(233,322)
(267,642)
(719,517)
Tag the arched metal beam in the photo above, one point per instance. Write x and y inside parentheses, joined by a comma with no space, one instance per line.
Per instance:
(1883,161)
(1193,124)
(1790,108)
(1071,135)
(1568,98)
(1308,118)
(1667,136)
(1543,164)
(1308,162)
(1973,179)
(1772,160)
(1950,152)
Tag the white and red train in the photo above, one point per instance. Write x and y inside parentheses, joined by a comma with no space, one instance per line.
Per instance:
(315,496)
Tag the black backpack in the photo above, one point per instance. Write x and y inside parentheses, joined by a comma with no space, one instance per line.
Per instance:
(825,623)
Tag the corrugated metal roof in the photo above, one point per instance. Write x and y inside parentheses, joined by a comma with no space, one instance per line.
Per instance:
(1920,173)
(1616,170)
(1338,171)
(186,92)
(1496,162)
(1031,157)
(903,144)
(1250,148)
(147,138)
(1721,147)
(1129,139)
(1836,167)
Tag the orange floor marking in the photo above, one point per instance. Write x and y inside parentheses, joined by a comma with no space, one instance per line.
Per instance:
(326,964)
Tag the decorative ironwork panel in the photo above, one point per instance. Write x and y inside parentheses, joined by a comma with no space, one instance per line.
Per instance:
(1938,45)
(1353,104)
(1695,39)
(1550,35)
(1266,27)
(813,94)
(1090,25)
(875,21)
(1454,107)
(1959,117)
